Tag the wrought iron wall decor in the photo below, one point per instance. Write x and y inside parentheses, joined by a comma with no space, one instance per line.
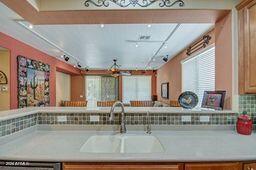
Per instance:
(202,43)
(134,3)
(3,78)
(33,83)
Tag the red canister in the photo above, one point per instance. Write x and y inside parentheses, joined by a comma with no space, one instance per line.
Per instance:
(244,124)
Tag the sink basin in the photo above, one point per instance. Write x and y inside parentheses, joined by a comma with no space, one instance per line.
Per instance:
(122,144)
(141,144)
(102,144)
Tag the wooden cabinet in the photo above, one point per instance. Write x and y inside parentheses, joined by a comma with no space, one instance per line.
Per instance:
(121,166)
(247,49)
(251,166)
(160,166)
(213,166)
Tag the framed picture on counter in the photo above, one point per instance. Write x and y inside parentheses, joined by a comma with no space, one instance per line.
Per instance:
(214,100)
(165,90)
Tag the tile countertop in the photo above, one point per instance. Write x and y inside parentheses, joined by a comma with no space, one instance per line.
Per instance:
(32,110)
(180,146)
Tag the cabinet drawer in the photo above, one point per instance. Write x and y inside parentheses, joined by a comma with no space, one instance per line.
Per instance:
(251,166)
(213,166)
(81,166)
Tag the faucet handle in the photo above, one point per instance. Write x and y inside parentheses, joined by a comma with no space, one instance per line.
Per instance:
(148,126)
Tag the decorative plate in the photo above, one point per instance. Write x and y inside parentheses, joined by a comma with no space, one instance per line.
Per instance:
(188,100)
(3,78)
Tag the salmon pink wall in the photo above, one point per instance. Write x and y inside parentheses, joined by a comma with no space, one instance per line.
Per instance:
(16,48)
(223,60)
(171,71)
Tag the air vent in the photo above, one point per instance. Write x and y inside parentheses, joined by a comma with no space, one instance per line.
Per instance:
(144,37)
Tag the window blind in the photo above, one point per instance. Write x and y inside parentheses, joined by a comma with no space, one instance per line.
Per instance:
(136,88)
(198,73)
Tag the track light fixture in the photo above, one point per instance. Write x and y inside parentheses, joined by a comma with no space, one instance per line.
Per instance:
(165,58)
(66,58)
(79,65)
(86,69)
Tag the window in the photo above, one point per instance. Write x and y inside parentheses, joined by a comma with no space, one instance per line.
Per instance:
(136,88)
(100,88)
(198,73)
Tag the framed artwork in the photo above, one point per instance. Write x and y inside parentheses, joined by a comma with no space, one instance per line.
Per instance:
(165,90)
(214,100)
(3,78)
(33,83)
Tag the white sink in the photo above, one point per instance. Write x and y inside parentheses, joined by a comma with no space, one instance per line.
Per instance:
(102,144)
(122,144)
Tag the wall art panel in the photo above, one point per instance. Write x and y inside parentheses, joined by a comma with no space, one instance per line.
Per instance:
(33,83)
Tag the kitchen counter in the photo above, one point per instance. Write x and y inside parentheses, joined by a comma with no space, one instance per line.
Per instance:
(4,115)
(180,146)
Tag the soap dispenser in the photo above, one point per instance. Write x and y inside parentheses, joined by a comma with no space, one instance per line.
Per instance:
(244,124)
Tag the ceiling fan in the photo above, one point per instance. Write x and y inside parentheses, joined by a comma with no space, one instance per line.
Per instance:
(115,69)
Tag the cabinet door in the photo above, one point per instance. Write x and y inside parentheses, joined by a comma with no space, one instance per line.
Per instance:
(251,166)
(213,166)
(72,166)
(249,47)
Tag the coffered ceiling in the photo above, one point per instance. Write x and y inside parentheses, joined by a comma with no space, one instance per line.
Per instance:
(96,45)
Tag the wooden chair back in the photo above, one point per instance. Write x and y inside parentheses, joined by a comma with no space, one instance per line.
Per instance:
(142,103)
(74,103)
(105,103)
(174,103)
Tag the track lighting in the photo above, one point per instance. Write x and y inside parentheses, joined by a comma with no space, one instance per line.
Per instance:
(86,69)
(66,58)
(165,58)
(79,65)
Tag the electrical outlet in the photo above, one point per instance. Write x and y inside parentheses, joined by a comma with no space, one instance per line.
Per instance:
(94,118)
(186,118)
(62,118)
(204,118)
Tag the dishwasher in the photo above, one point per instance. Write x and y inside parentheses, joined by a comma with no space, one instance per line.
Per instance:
(26,165)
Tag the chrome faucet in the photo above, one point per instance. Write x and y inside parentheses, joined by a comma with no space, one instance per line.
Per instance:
(123,116)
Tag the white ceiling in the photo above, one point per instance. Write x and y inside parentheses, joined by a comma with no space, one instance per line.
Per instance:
(96,47)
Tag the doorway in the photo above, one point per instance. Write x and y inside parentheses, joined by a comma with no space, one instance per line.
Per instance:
(4,79)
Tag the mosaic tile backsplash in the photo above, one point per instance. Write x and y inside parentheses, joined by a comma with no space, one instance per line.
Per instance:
(137,119)
(247,103)
(8,127)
